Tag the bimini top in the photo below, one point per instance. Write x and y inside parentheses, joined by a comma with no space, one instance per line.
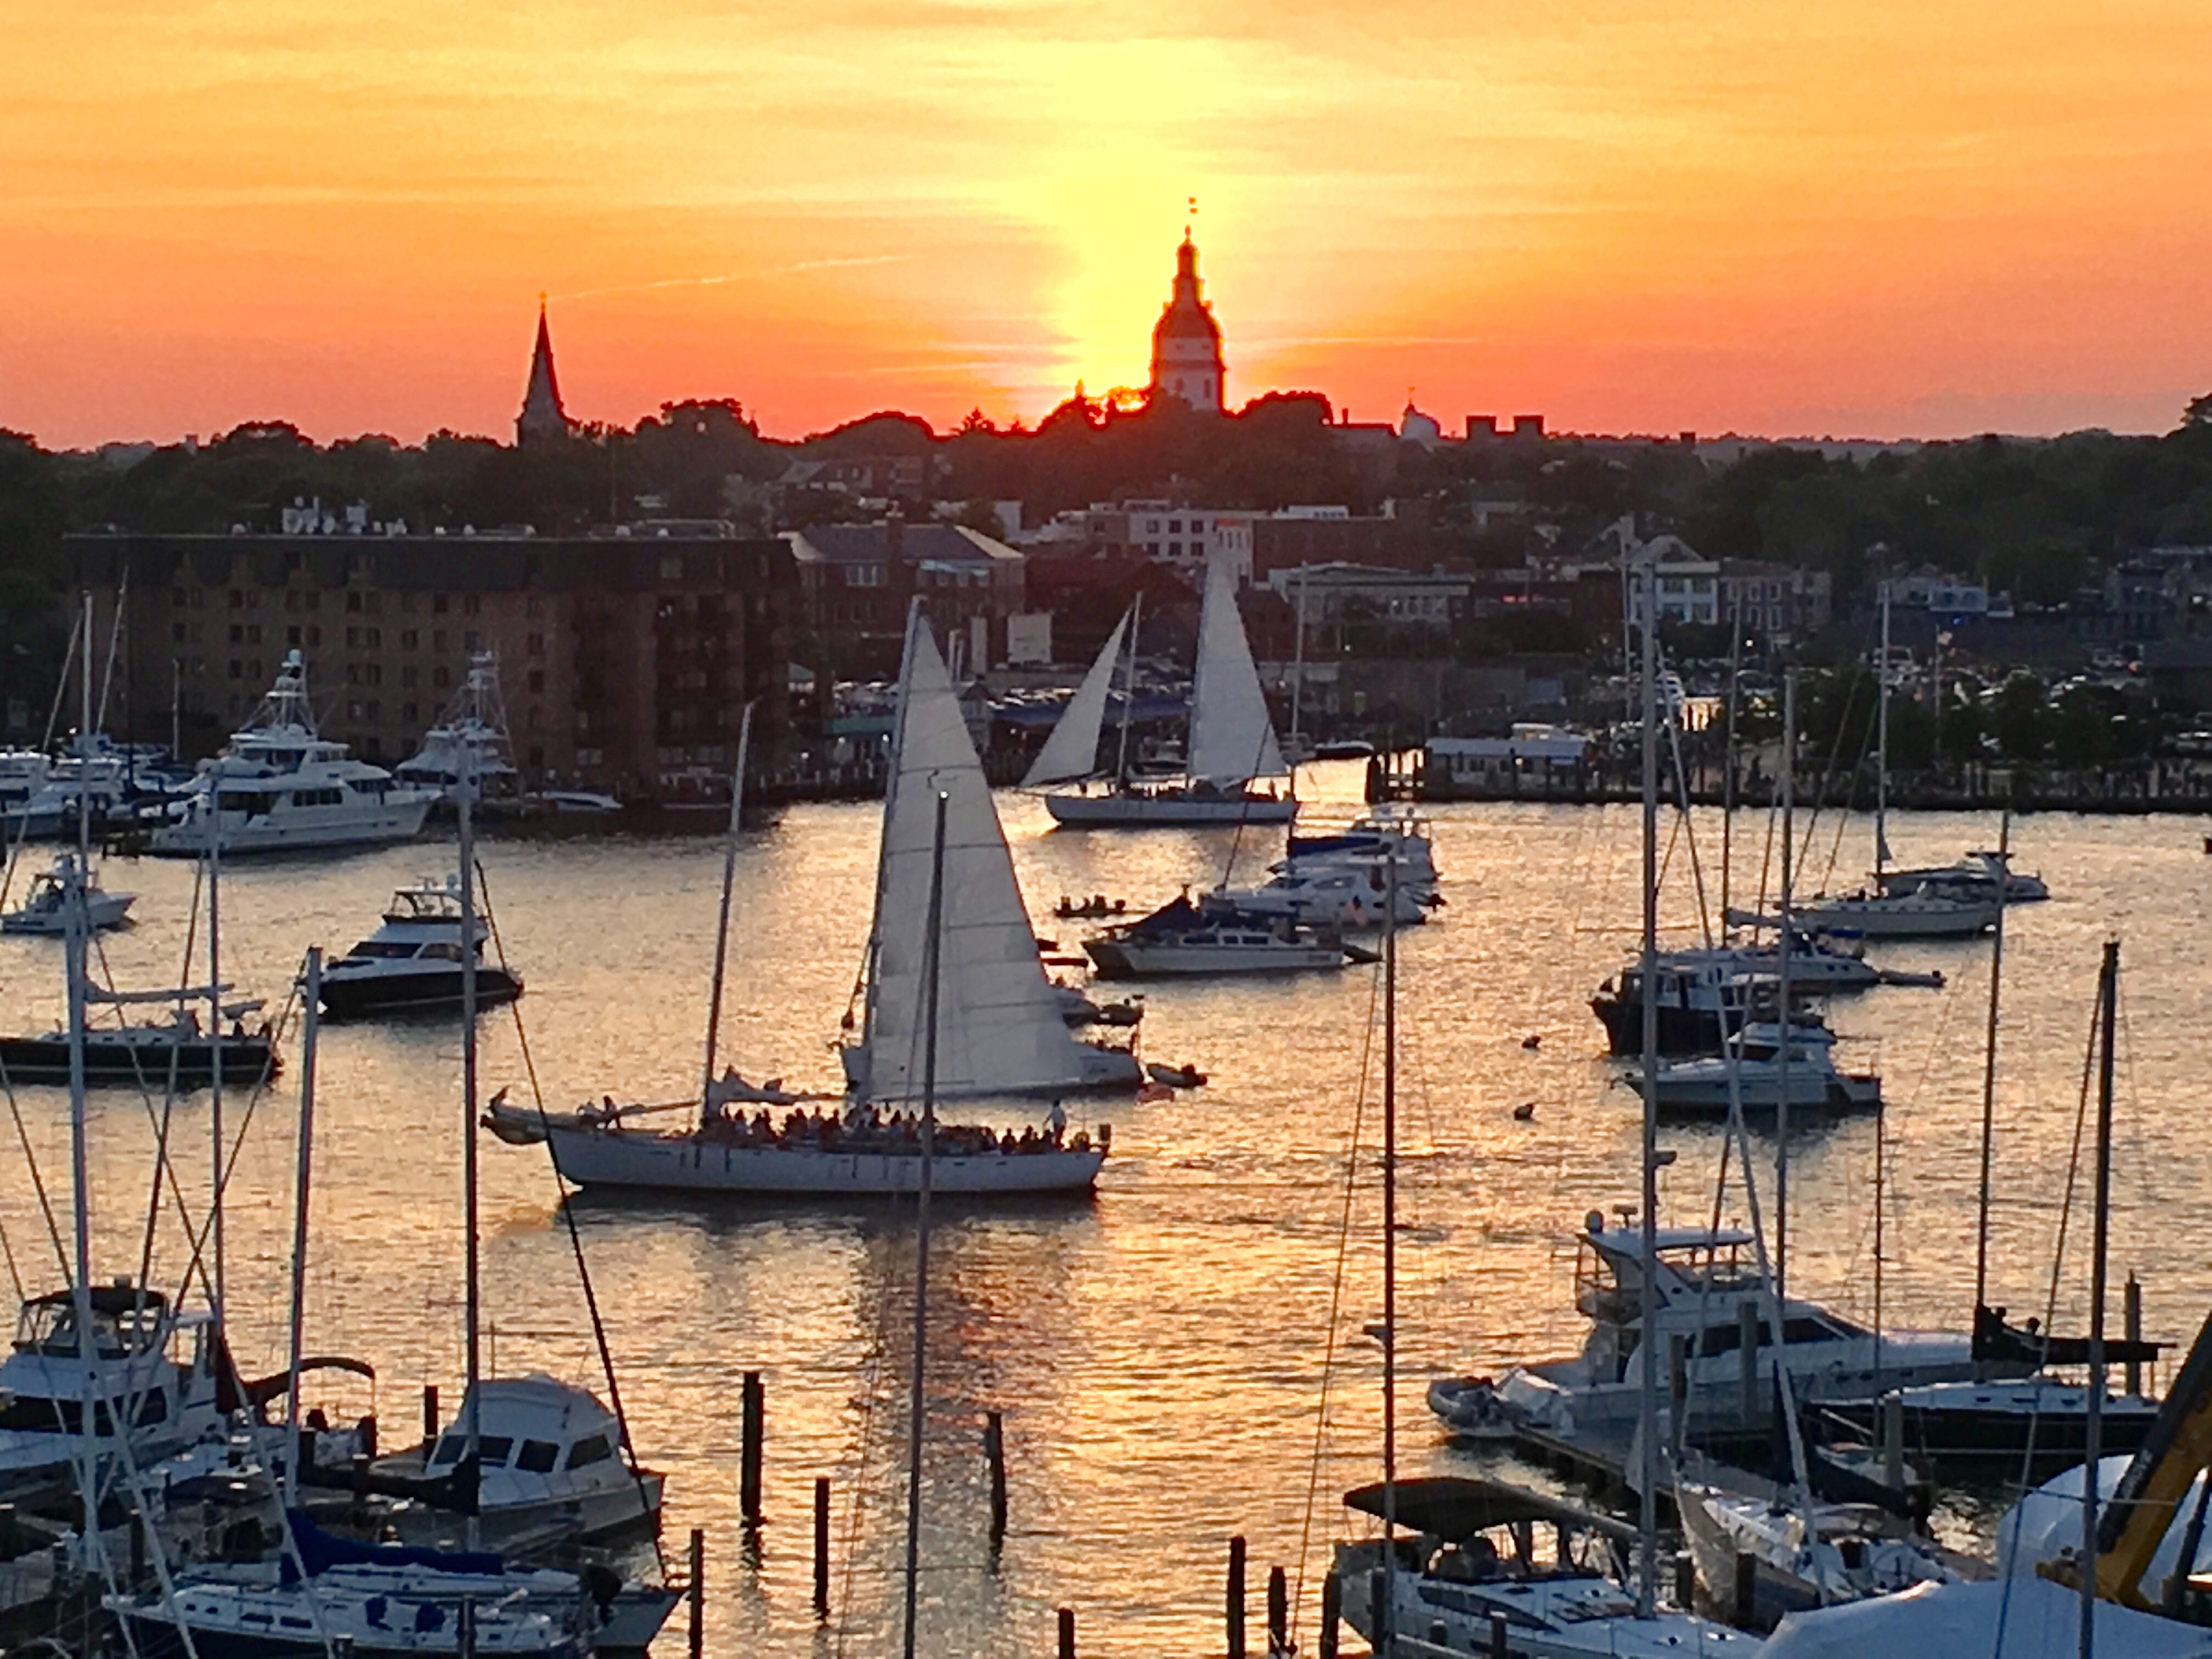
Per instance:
(1454,1507)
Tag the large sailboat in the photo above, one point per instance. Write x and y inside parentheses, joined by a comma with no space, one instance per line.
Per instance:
(279,786)
(999,1030)
(1232,743)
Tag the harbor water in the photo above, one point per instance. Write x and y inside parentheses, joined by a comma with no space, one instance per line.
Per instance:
(1183,1357)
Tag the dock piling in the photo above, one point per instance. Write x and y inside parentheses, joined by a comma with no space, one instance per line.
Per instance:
(1746,1349)
(1279,1611)
(822,1546)
(1743,1595)
(430,1417)
(1235,1599)
(2135,1335)
(696,1594)
(1067,1633)
(995,1451)
(1498,1629)
(1685,1581)
(755,1411)
(138,1547)
(1332,1611)
(1893,1440)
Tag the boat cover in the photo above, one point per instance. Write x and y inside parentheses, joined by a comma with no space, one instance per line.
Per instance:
(320,1550)
(2004,1618)
(1454,1507)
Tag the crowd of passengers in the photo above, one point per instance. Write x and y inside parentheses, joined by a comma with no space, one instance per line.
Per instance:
(864,1128)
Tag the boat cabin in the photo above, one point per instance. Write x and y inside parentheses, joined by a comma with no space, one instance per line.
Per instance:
(533,1426)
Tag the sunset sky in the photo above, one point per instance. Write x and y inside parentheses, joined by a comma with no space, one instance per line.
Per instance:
(1870,217)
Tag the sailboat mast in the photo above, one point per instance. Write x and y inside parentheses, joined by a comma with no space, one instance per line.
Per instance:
(2108,998)
(1647,1518)
(1989,1071)
(78,927)
(313,997)
(722,920)
(932,957)
(474,1293)
(84,750)
(1728,763)
(1782,991)
(1383,1621)
(211,804)
(1881,746)
(1298,667)
(1129,691)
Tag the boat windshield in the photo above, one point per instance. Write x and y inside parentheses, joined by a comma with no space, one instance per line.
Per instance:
(48,1326)
(425,904)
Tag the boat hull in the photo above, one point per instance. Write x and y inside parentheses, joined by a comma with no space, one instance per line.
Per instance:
(1879,921)
(310,829)
(109,1064)
(107,910)
(688,1163)
(1134,959)
(1682,1031)
(2004,1422)
(1167,810)
(368,996)
(155,1637)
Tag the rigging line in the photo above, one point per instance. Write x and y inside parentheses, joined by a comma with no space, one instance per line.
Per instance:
(879,1348)
(53,719)
(1335,1300)
(38,1181)
(575,1235)
(8,1254)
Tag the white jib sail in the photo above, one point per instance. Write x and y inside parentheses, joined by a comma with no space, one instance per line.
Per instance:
(1231,738)
(999,1027)
(1071,751)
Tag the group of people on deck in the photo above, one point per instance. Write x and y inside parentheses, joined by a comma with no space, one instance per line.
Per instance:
(864,1128)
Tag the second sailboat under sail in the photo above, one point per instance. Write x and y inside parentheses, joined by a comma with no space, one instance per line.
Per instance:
(1000,1029)
(1231,742)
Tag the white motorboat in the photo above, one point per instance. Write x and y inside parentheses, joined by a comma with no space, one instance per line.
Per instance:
(2024,1619)
(1232,739)
(23,773)
(412,962)
(1710,1288)
(468,740)
(1342,897)
(1703,996)
(1181,939)
(1997,1424)
(46,907)
(94,778)
(1762,1069)
(581,803)
(279,787)
(1001,1028)
(549,1456)
(1467,1568)
(1382,836)
(150,1377)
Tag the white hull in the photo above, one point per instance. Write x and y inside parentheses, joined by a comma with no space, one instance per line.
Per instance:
(1702,1085)
(1906,918)
(686,1164)
(400,817)
(1151,811)
(106,910)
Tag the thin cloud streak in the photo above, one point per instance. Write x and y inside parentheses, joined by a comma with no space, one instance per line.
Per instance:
(731,276)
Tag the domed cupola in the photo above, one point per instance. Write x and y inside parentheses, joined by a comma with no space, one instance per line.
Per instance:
(1187,341)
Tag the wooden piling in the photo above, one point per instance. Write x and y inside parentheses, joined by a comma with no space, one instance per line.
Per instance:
(1685,1581)
(994,1452)
(749,1473)
(429,1417)
(465,1632)
(696,1593)
(1744,1597)
(1498,1628)
(137,1546)
(2135,1335)
(1279,1611)
(1893,1440)
(1332,1611)
(1236,1598)
(1747,1337)
(821,1546)
(358,1468)
(1067,1633)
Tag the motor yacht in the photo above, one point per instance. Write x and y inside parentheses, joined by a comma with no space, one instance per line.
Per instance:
(1342,896)
(412,962)
(1704,997)
(23,773)
(1709,1289)
(150,1376)
(280,786)
(1181,939)
(46,907)
(469,741)
(1760,1067)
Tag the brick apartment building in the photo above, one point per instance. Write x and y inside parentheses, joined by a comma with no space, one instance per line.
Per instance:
(625,659)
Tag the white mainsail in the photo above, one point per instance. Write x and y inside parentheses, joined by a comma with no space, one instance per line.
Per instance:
(1231,738)
(1071,751)
(998,1028)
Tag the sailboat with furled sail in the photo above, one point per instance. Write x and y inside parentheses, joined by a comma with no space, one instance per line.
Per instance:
(1232,739)
(999,1031)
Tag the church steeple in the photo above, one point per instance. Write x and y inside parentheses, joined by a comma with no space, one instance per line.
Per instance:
(1187,341)
(542,415)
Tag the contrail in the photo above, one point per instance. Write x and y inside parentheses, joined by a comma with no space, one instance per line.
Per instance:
(732,277)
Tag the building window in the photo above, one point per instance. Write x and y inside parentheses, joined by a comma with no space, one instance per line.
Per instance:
(535,645)
(470,604)
(438,639)
(314,632)
(438,602)
(253,633)
(373,636)
(353,603)
(177,598)
(177,632)
(470,641)
(407,674)
(238,633)
(537,679)
(441,678)
(533,607)
(407,639)
(353,639)
(410,712)
(199,598)
(672,567)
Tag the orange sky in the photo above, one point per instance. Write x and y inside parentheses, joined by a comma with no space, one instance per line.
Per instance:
(1850,216)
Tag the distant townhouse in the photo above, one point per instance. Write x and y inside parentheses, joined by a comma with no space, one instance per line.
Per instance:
(1775,602)
(857,580)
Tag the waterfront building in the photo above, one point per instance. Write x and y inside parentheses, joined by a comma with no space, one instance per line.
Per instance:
(857,580)
(1774,602)
(626,657)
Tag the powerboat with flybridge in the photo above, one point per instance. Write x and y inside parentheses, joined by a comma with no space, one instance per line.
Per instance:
(1001,1031)
(1181,939)
(412,962)
(1232,743)
(280,786)
(1760,1067)
(1708,1289)
(470,740)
